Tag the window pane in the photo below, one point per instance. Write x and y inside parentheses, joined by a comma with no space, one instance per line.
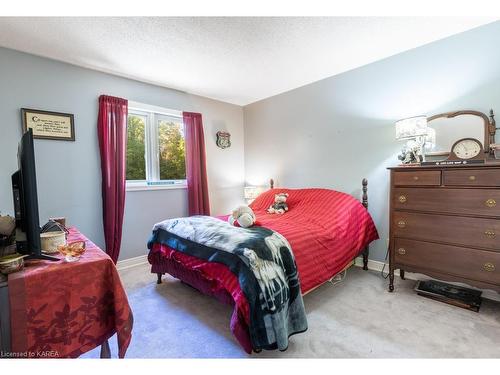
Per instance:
(171,149)
(136,162)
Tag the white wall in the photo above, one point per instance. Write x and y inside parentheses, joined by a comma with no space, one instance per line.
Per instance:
(68,173)
(334,132)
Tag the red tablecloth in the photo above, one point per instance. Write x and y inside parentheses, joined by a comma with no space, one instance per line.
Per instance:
(61,309)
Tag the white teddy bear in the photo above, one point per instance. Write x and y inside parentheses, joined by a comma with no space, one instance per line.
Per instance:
(279,206)
(243,215)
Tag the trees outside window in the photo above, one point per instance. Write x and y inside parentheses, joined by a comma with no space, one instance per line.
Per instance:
(136,147)
(172,153)
(155,149)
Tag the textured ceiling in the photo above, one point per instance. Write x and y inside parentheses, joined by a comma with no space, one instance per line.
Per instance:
(233,59)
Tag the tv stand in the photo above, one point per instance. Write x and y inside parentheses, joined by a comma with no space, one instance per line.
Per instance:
(41,257)
(23,248)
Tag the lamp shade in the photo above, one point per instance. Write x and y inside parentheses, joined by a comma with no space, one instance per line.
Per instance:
(412,127)
(252,192)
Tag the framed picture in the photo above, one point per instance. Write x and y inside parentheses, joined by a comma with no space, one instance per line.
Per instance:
(49,125)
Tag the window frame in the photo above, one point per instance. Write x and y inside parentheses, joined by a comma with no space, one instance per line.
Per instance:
(151,149)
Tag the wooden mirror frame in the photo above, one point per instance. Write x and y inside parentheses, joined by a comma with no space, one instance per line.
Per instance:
(489,125)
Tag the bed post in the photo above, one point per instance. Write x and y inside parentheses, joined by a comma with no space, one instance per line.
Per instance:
(364,201)
(271,183)
(159,278)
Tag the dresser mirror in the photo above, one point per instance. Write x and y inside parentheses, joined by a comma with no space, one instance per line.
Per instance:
(447,128)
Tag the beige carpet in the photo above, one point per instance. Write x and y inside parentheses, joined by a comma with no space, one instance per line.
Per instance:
(357,318)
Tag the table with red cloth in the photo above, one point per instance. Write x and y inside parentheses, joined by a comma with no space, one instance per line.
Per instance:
(61,309)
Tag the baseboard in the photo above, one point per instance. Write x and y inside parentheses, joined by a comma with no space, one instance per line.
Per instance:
(131,262)
(375,265)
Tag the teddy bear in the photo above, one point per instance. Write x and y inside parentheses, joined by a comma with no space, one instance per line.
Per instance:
(7,225)
(279,206)
(242,216)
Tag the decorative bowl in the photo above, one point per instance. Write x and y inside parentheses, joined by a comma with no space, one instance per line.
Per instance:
(72,251)
(51,240)
(11,263)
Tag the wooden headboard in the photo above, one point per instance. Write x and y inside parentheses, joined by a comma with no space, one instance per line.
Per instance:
(364,184)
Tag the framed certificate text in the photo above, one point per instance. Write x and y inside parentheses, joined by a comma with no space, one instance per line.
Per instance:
(49,125)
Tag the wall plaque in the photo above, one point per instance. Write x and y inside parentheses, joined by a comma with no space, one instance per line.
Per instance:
(49,125)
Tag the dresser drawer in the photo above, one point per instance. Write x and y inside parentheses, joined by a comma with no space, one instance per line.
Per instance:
(457,230)
(417,178)
(471,264)
(454,201)
(472,177)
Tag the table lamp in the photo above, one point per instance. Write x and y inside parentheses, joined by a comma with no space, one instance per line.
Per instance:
(252,192)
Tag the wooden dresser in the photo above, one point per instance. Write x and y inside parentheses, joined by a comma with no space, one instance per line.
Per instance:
(445,223)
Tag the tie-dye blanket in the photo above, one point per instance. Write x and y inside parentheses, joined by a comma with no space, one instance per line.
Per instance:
(264,263)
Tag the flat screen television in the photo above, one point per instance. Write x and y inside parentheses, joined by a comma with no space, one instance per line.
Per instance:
(26,201)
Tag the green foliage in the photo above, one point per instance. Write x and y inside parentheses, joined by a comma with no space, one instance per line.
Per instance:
(136,149)
(172,151)
(171,144)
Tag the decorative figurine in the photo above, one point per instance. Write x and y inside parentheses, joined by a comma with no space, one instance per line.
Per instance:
(411,153)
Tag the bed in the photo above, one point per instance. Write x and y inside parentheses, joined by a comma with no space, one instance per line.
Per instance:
(326,229)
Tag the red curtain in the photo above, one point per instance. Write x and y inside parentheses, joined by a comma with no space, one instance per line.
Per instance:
(196,171)
(112,134)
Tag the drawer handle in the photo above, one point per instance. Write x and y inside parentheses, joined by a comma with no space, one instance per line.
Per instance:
(415,178)
(490,203)
(402,198)
(490,267)
(402,251)
(489,233)
(401,223)
(472,178)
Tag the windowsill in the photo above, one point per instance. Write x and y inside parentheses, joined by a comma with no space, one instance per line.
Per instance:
(145,187)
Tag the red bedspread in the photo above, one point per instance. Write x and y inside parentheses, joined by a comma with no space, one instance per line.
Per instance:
(326,230)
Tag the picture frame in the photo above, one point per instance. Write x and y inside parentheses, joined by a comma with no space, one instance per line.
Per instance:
(49,125)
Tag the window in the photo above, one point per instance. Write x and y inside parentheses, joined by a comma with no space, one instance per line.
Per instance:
(156,155)
(136,147)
